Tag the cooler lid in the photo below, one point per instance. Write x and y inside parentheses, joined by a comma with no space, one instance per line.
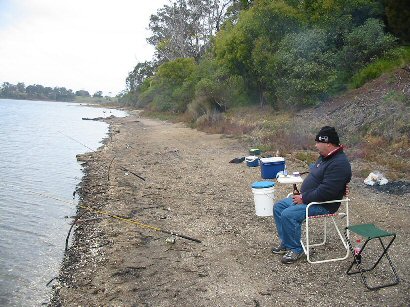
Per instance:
(251,158)
(263,184)
(272,159)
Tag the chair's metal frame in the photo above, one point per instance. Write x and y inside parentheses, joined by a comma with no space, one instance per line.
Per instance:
(307,247)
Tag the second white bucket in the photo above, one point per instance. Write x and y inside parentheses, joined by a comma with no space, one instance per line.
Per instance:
(263,196)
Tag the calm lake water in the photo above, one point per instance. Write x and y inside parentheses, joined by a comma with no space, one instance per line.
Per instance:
(38,164)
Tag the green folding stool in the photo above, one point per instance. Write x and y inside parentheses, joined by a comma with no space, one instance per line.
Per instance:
(370,232)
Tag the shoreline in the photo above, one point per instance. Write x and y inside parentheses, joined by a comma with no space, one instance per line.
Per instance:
(85,231)
(190,188)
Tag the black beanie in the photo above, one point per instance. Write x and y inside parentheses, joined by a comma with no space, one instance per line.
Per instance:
(328,135)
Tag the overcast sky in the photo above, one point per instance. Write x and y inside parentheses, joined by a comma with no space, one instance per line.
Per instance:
(76,44)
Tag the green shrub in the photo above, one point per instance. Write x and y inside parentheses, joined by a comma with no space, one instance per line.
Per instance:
(395,58)
(365,44)
(304,68)
(215,90)
(168,89)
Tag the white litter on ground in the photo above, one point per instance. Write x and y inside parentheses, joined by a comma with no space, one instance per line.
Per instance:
(376,177)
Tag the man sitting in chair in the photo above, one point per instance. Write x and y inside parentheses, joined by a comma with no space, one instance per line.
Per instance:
(327,180)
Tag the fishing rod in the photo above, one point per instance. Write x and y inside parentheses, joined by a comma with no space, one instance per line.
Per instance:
(127,170)
(111,215)
(137,223)
(122,167)
(71,138)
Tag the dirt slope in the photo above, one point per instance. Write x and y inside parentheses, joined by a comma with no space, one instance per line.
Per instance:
(374,121)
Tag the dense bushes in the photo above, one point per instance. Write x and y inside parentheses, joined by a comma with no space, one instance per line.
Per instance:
(364,44)
(167,89)
(305,68)
(288,54)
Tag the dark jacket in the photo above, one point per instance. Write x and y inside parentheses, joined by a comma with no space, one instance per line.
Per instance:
(327,180)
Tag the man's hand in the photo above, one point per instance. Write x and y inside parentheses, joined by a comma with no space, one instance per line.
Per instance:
(297,199)
(347,190)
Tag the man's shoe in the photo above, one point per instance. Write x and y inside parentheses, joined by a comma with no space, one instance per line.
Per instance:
(291,257)
(279,250)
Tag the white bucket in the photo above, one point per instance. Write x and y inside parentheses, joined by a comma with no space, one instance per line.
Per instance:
(263,201)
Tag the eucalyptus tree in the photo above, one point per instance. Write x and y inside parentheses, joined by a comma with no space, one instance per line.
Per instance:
(21,87)
(247,48)
(98,94)
(83,93)
(8,90)
(236,8)
(139,74)
(184,28)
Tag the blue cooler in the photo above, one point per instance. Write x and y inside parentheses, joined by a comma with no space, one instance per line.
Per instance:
(252,161)
(271,166)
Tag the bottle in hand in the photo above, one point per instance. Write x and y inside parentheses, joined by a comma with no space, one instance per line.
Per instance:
(295,190)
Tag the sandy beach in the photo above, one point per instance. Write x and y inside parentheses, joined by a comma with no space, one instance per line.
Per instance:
(154,175)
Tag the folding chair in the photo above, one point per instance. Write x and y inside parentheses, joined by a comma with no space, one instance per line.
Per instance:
(307,247)
(370,232)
